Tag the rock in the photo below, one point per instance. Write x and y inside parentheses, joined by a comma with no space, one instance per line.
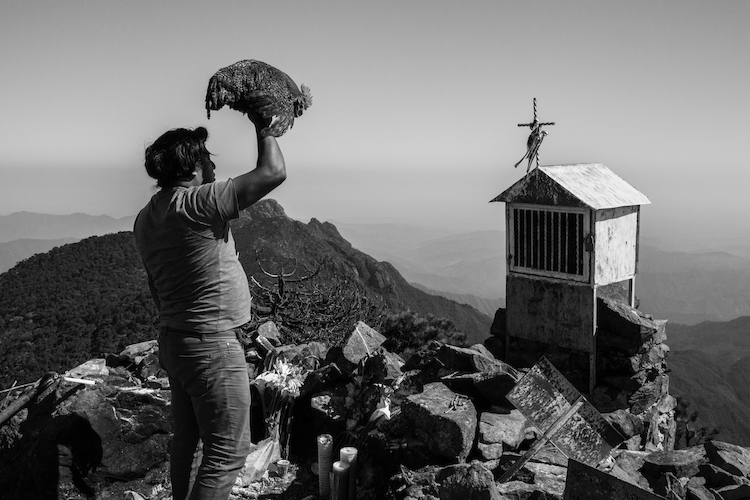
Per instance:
(490,451)
(696,489)
(548,478)
(469,359)
(716,477)
(467,482)
(625,423)
(734,492)
(310,355)
(91,368)
(730,457)
(629,323)
(666,404)
(149,367)
(496,384)
(320,379)
(393,365)
(136,352)
(445,421)
(670,486)
(270,332)
(362,342)
(518,490)
(631,462)
(681,463)
(649,394)
(508,431)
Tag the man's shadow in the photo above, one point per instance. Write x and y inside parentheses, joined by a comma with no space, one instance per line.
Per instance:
(53,450)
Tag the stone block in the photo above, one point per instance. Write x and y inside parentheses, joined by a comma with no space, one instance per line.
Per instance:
(270,332)
(445,421)
(362,342)
(730,457)
(681,463)
(506,429)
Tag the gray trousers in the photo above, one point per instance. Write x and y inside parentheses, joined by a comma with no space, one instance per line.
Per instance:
(210,403)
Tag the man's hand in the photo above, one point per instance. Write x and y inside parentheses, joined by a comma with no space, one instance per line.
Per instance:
(259,122)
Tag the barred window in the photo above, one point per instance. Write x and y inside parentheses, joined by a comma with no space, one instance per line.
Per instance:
(548,240)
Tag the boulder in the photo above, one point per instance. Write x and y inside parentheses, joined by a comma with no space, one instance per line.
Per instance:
(469,359)
(734,492)
(445,421)
(136,352)
(730,457)
(467,482)
(696,489)
(310,356)
(681,463)
(91,368)
(630,463)
(498,432)
(494,385)
(393,365)
(548,478)
(270,332)
(716,477)
(649,394)
(363,341)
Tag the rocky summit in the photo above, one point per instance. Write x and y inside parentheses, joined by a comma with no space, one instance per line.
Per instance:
(426,427)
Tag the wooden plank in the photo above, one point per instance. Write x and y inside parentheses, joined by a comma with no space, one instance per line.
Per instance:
(587,483)
(544,396)
(616,235)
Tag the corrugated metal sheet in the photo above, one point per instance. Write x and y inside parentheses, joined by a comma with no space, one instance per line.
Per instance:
(594,184)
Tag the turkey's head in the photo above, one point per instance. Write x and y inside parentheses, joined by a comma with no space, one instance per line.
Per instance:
(302,102)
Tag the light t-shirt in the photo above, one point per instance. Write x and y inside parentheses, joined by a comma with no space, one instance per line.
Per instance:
(187,248)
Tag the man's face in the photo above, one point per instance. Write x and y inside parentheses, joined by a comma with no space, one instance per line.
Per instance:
(206,169)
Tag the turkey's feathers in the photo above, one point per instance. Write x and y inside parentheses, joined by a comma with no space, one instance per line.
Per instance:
(251,85)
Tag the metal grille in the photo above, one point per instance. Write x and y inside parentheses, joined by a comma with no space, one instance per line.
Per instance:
(548,240)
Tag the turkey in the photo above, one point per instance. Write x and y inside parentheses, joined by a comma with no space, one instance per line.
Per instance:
(251,85)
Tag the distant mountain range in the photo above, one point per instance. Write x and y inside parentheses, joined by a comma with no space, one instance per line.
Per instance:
(29,225)
(684,287)
(710,367)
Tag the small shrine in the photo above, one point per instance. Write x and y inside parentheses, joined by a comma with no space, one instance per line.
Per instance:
(570,229)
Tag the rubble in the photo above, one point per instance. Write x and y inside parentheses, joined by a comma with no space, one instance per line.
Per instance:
(437,425)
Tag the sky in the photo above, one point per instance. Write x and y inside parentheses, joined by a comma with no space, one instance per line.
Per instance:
(416,104)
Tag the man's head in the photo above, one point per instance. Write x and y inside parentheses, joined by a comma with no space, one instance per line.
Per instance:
(176,155)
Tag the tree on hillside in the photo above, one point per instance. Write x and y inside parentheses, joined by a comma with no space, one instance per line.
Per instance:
(309,305)
(407,332)
(688,432)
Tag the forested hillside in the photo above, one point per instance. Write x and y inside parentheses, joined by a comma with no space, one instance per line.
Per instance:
(73,303)
(89,298)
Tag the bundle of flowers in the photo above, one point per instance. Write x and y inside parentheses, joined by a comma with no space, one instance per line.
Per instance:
(278,388)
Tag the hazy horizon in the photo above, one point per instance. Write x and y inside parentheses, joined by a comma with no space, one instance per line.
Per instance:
(416,104)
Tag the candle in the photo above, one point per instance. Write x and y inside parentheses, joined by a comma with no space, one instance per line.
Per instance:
(325,452)
(348,454)
(340,487)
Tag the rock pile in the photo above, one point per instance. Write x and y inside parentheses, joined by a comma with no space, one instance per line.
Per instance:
(632,380)
(437,425)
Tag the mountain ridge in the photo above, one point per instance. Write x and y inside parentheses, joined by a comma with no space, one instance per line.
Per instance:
(81,300)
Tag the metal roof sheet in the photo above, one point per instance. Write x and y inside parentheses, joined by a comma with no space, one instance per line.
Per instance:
(592,183)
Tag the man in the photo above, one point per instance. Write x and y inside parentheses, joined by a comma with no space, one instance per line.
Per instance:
(202,295)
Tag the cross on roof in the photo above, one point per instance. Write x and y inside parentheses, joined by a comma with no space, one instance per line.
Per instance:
(534,141)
